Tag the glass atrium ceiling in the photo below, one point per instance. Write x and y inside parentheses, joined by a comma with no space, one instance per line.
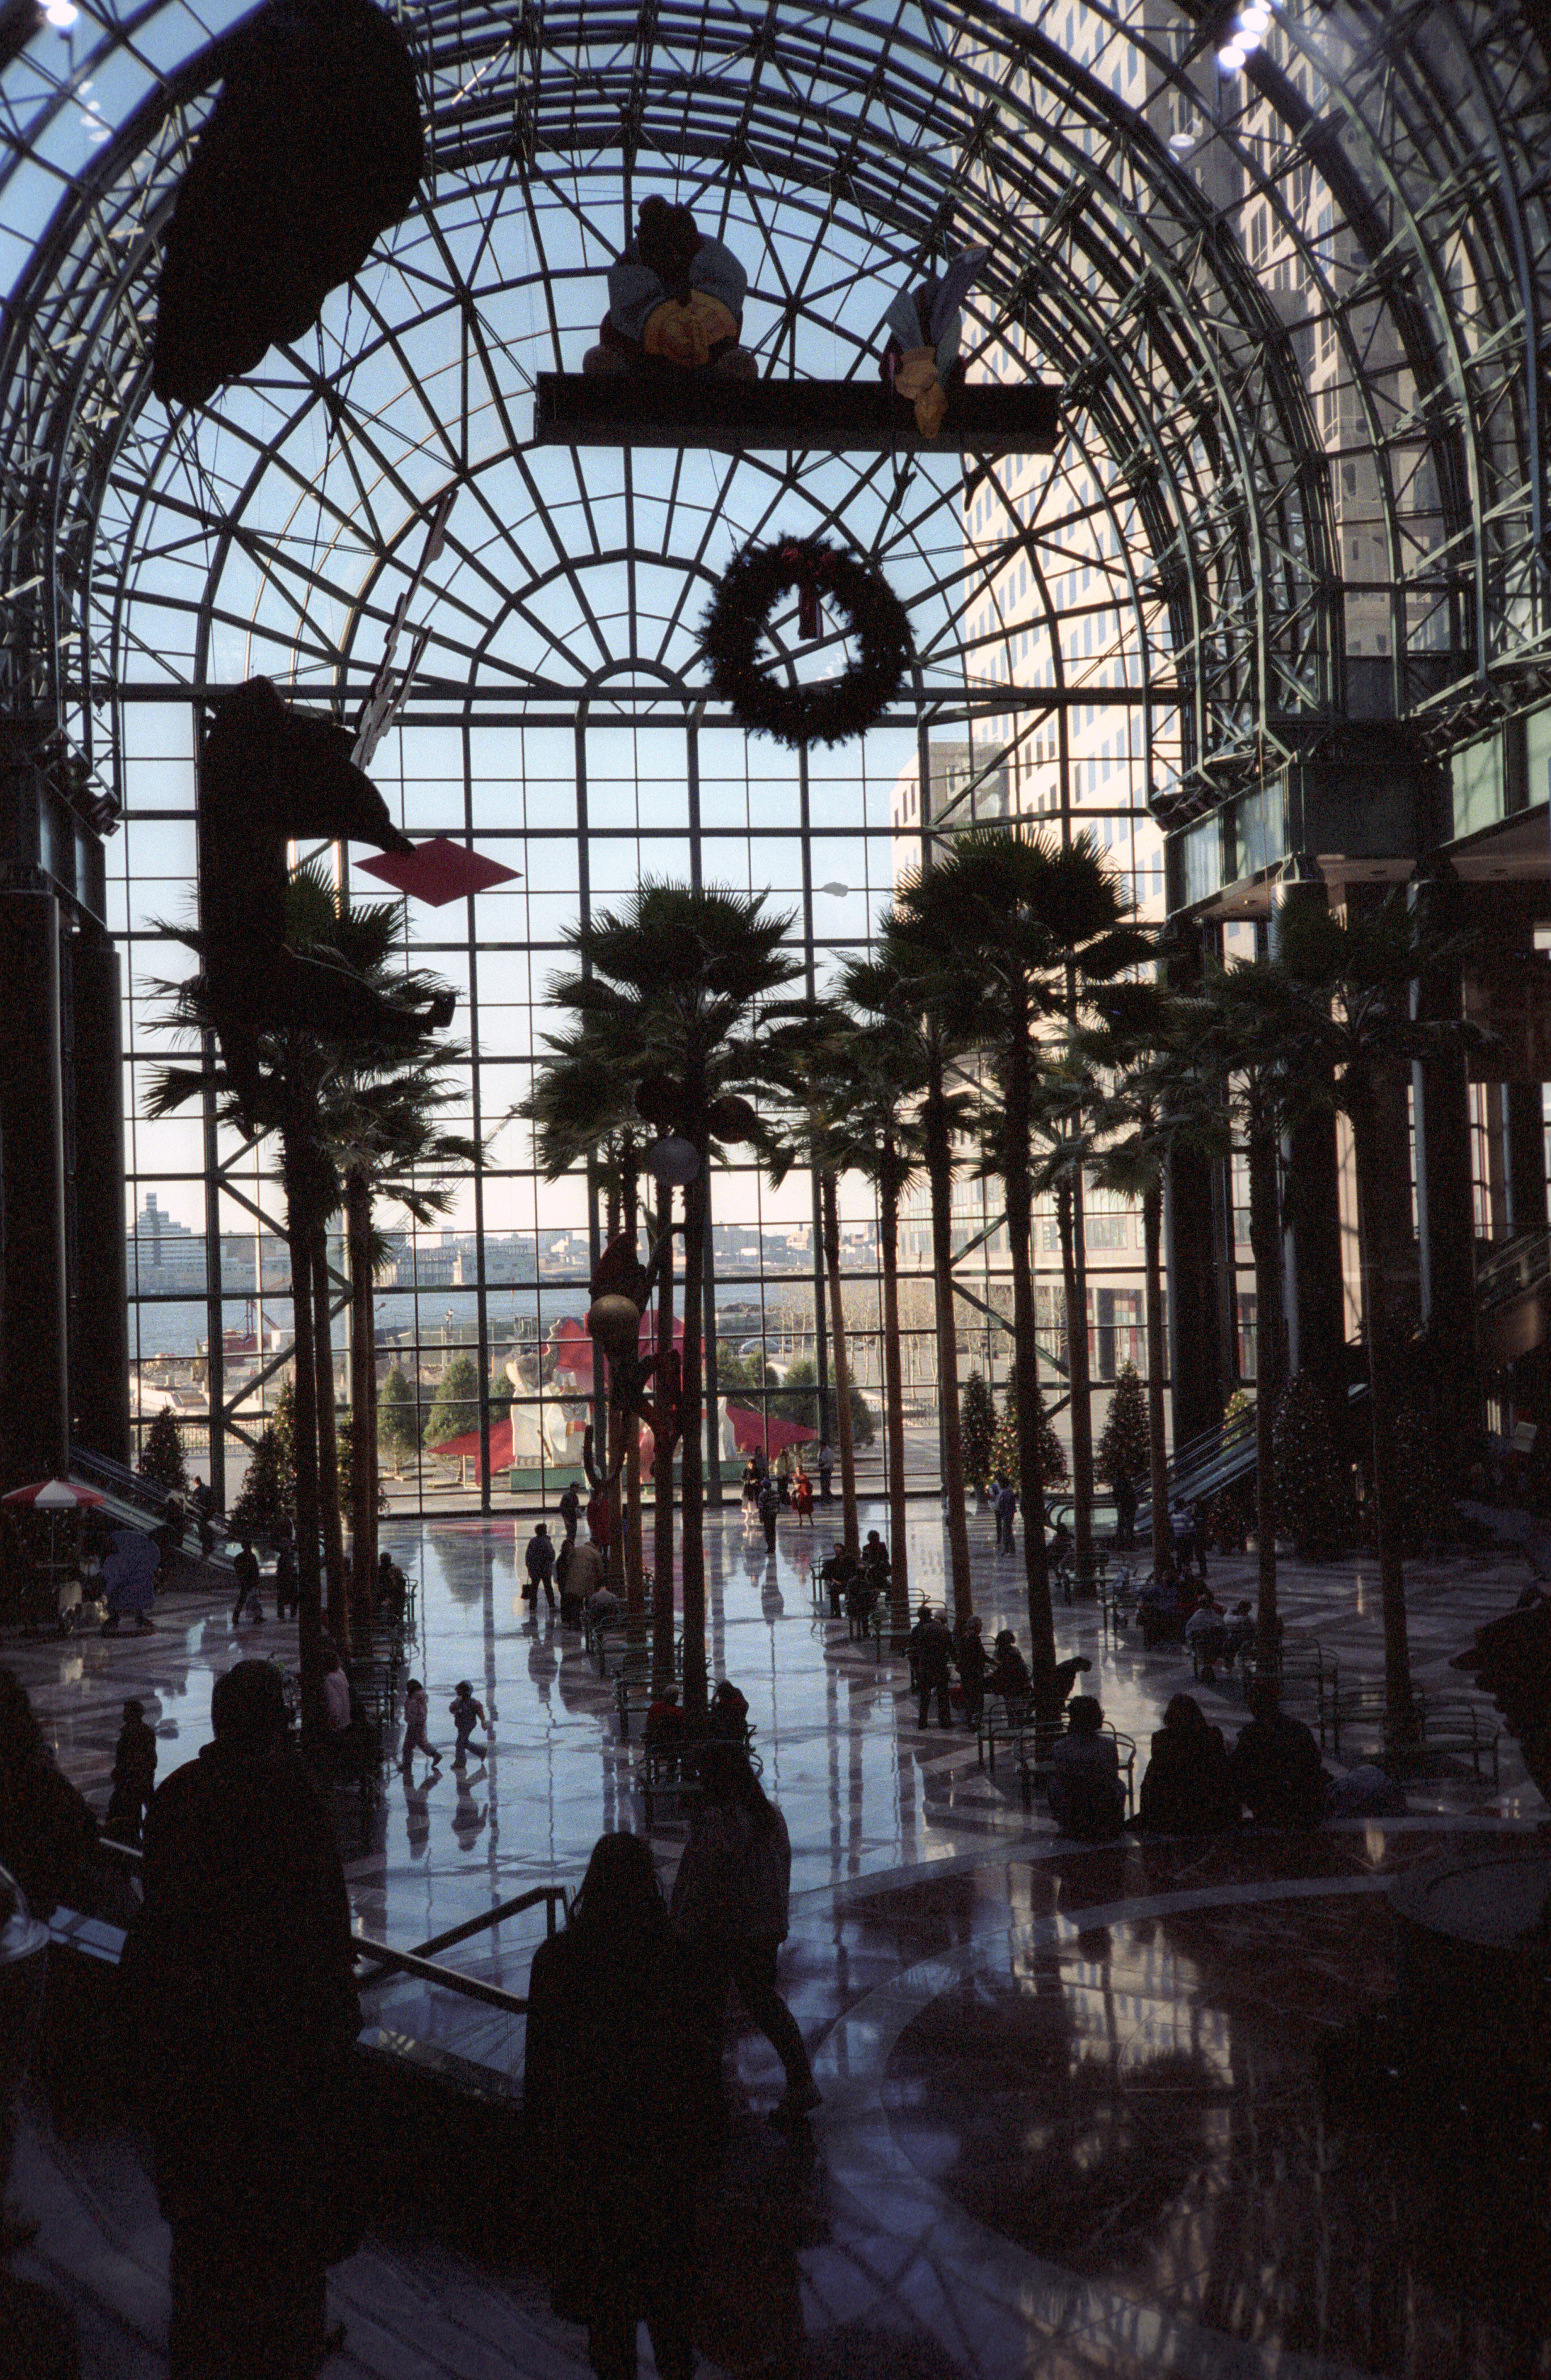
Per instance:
(1297,313)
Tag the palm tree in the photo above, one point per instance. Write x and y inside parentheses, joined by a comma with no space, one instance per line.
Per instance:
(1064,1109)
(385,1146)
(1018,927)
(897,980)
(868,1071)
(582,1108)
(1349,983)
(1243,1030)
(688,970)
(297,1072)
(1154,1103)
(803,1054)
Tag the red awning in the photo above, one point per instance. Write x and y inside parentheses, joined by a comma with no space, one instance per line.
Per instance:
(466,1447)
(766,1432)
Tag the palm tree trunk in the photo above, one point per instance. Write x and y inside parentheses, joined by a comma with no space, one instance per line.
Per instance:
(662,1458)
(635,1589)
(829,1203)
(364,1399)
(1074,1262)
(1157,1445)
(894,1392)
(301,1201)
(691,1461)
(1399,1701)
(1018,1194)
(939,1174)
(328,1450)
(614,1424)
(1265,1246)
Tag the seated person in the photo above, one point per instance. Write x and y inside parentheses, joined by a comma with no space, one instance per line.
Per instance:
(728,1717)
(1187,1788)
(1206,1634)
(1239,1634)
(1087,1799)
(1275,1767)
(602,1604)
(1158,1611)
(675,298)
(667,1728)
(1060,1548)
(838,1574)
(1009,1674)
(862,1597)
(874,1559)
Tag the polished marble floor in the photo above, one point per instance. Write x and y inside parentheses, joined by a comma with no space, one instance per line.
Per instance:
(1074,2121)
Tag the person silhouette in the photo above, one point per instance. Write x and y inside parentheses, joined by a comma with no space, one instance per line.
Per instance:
(240,1989)
(618,2113)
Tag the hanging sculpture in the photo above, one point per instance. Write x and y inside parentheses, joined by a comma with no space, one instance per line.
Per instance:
(921,361)
(313,150)
(622,1288)
(269,775)
(823,710)
(675,301)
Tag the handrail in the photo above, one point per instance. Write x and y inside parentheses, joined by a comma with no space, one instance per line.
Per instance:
(406,1963)
(415,1963)
(546,1893)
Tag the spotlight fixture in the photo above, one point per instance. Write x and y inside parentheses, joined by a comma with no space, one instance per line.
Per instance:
(1247,28)
(61,14)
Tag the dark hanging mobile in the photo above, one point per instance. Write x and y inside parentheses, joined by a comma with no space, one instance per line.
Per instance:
(313,150)
(830,711)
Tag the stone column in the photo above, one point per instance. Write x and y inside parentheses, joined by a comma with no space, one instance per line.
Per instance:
(1440,1103)
(34,1358)
(99,1373)
(1312,1295)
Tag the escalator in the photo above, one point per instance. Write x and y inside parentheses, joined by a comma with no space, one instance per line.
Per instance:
(1203,1466)
(1513,1299)
(133,1502)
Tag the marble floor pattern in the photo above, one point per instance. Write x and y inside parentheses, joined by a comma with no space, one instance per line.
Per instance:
(1074,2121)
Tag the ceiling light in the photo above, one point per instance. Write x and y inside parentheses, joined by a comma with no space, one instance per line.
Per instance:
(1231,59)
(62,14)
(1181,142)
(1256,19)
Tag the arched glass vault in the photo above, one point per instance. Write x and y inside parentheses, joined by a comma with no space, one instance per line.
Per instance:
(1296,318)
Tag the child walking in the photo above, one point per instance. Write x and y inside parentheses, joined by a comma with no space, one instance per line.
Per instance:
(134,1776)
(467,1714)
(417,1710)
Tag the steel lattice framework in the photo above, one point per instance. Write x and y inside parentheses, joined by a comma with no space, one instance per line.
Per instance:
(1391,160)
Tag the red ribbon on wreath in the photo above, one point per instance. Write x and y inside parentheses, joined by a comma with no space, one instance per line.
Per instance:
(810,572)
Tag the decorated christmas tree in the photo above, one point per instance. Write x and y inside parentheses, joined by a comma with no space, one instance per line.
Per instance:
(161,1456)
(268,1497)
(1053,1455)
(1314,1488)
(1426,1514)
(1230,1515)
(345,1440)
(1124,1450)
(978,1428)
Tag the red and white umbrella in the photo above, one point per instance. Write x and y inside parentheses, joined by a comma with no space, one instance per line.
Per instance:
(53,1495)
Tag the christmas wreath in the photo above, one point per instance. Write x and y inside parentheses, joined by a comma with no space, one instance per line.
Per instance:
(832,709)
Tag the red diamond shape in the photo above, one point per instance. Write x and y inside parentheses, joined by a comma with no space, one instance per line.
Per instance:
(438,871)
